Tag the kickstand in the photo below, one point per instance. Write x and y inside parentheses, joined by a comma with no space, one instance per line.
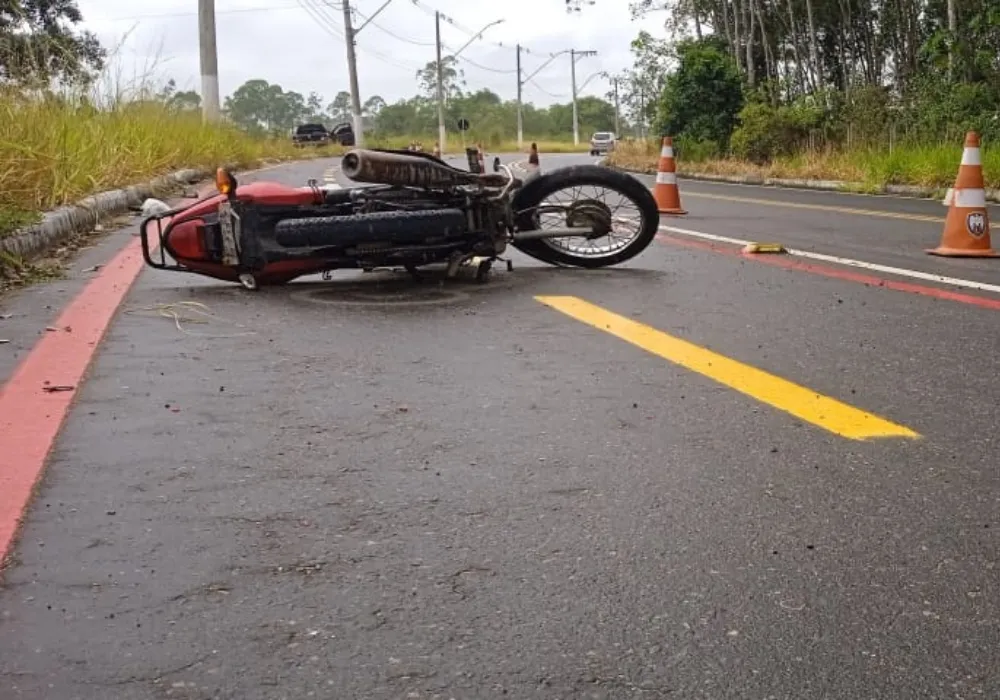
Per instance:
(453,264)
(415,273)
(483,271)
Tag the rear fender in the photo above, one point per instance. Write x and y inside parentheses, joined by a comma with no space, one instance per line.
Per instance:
(182,233)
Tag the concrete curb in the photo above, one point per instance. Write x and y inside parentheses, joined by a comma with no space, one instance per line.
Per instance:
(66,221)
(914,191)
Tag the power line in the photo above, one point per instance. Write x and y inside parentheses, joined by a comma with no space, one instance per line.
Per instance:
(481,67)
(332,25)
(326,23)
(393,35)
(458,25)
(192,14)
(541,89)
(524,49)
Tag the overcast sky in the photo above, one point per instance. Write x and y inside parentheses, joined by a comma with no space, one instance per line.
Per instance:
(299,43)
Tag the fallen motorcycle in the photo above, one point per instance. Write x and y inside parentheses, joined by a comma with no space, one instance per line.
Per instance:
(416,210)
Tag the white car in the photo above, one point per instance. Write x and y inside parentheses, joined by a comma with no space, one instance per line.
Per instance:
(602,142)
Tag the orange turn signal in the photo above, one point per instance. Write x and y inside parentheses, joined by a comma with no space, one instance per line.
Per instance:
(223,181)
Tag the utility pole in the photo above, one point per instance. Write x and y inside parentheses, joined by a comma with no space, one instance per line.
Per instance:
(209,60)
(618,128)
(952,31)
(573,53)
(520,117)
(642,112)
(576,117)
(352,70)
(520,83)
(442,134)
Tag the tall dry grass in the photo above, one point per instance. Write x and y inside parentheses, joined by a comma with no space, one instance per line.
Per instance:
(930,165)
(55,150)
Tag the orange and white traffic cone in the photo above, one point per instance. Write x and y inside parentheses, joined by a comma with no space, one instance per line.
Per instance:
(533,168)
(665,192)
(533,155)
(967,227)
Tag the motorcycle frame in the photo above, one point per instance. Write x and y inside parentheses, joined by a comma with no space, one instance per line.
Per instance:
(231,207)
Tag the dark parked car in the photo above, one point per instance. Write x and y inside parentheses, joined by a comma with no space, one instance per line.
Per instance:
(310,133)
(343,134)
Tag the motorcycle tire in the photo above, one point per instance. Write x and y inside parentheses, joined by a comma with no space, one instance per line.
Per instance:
(535,191)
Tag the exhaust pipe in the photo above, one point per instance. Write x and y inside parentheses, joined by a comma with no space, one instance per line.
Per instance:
(383,168)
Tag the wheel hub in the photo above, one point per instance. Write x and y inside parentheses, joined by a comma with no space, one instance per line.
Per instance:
(590,213)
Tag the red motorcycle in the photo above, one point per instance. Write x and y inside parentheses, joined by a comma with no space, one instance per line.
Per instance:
(417,211)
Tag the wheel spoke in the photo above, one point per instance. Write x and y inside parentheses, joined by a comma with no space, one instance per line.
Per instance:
(606,204)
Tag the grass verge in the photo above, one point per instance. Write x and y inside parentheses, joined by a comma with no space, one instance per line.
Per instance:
(925,166)
(55,151)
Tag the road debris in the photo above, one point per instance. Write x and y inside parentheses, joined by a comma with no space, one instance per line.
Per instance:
(196,309)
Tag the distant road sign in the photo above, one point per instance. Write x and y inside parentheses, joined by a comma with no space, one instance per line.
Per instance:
(463,124)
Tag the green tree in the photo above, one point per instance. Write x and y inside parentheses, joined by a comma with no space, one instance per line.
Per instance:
(595,114)
(452,79)
(257,105)
(372,106)
(39,43)
(702,98)
(187,100)
(183,100)
(340,108)
(314,108)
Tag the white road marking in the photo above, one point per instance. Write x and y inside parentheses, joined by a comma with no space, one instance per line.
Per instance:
(849,262)
(330,179)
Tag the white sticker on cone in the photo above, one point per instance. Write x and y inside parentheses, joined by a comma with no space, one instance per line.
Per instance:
(976,223)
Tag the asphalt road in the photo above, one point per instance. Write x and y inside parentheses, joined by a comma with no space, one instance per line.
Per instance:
(371,489)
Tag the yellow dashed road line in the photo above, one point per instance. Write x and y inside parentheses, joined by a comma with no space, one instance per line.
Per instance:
(805,404)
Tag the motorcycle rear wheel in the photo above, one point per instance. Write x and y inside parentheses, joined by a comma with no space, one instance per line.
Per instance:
(554,251)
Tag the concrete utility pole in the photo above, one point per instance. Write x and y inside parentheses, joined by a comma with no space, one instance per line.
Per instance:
(952,30)
(520,117)
(521,83)
(573,53)
(351,35)
(209,61)
(618,128)
(442,133)
(352,69)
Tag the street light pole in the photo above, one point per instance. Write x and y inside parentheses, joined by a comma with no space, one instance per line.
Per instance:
(442,134)
(350,36)
(573,53)
(520,117)
(352,70)
(618,128)
(520,85)
(478,35)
